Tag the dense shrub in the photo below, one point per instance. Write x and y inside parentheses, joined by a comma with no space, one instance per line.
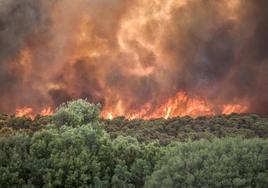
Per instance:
(185,128)
(14,160)
(232,162)
(75,157)
(84,157)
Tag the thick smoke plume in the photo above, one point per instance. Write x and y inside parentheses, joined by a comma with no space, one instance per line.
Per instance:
(134,56)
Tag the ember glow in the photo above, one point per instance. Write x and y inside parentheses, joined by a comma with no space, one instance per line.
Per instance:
(139,59)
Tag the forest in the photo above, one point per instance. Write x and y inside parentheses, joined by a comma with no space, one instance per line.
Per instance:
(75,147)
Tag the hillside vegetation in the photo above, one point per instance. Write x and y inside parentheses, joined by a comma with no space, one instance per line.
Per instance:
(76,148)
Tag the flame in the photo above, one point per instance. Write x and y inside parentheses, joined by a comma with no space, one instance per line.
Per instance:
(29,112)
(47,112)
(179,105)
(25,111)
(182,105)
(236,108)
(110,116)
(168,112)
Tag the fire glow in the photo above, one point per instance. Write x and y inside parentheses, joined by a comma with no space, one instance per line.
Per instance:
(139,59)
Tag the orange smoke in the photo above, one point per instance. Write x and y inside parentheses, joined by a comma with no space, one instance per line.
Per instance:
(139,59)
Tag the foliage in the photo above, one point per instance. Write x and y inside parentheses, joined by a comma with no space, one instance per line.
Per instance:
(86,157)
(14,160)
(75,157)
(222,163)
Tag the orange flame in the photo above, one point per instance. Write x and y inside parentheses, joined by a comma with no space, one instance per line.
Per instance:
(179,105)
(25,111)
(29,112)
(236,108)
(46,112)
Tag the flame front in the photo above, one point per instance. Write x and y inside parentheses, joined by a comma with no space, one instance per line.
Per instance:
(179,105)
(29,112)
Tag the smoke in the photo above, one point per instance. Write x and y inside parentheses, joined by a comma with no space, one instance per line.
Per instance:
(128,54)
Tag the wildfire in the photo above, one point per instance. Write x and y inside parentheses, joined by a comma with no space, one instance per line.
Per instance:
(110,116)
(46,112)
(29,112)
(25,111)
(141,59)
(168,113)
(179,105)
(237,108)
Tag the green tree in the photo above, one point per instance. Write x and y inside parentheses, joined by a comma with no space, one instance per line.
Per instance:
(76,113)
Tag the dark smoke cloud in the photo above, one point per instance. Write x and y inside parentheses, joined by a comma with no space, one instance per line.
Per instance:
(22,24)
(134,52)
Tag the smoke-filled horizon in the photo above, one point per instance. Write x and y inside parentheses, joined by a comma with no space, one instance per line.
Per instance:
(135,56)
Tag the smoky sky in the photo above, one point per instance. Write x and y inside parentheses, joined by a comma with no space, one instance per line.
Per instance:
(135,52)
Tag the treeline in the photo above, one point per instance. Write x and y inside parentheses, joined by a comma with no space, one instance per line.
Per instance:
(75,148)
